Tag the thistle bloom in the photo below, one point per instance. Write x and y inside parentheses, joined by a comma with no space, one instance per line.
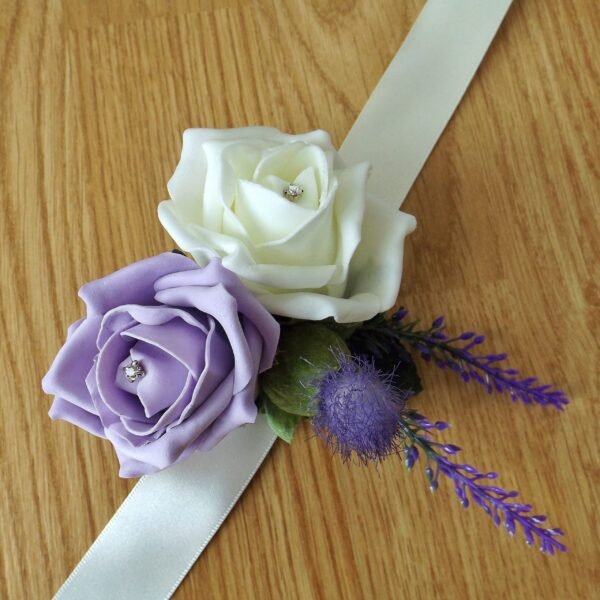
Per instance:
(359,411)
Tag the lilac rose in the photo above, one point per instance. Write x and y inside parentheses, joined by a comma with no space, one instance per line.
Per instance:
(165,362)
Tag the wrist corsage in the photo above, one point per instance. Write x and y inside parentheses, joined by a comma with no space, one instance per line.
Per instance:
(286,307)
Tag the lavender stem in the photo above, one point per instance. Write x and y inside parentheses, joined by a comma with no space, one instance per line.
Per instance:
(433,344)
(492,499)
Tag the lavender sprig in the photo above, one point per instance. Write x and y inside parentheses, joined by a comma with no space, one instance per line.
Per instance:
(494,500)
(456,353)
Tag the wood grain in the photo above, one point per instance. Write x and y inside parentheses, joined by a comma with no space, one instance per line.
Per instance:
(94,98)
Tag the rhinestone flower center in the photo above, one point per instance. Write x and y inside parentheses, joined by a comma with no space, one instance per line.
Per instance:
(292,191)
(134,371)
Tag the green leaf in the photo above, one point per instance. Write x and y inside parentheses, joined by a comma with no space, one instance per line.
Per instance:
(380,342)
(282,423)
(344,330)
(306,352)
(409,327)
(406,377)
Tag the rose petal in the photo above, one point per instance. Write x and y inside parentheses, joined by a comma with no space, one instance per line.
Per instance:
(374,275)
(266,215)
(164,379)
(123,318)
(140,432)
(177,338)
(320,218)
(133,468)
(240,411)
(64,410)
(217,302)
(106,416)
(168,449)
(203,244)
(133,284)
(206,245)
(243,157)
(376,267)
(313,306)
(287,161)
(349,215)
(290,277)
(242,408)
(219,361)
(179,288)
(312,243)
(118,401)
(220,186)
(310,197)
(66,376)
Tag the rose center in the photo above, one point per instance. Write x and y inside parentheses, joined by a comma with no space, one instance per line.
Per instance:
(134,371)
(292,191)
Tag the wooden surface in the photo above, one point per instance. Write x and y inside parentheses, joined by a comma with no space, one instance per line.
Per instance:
(94,97)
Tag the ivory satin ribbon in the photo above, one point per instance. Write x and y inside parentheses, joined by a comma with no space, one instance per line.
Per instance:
(168,519)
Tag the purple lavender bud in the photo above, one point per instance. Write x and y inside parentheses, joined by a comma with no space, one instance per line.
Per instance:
(439,322)
(511,371)
(359,411)
(529,537)
(450,449)
(469,469)
(412,454)
(400,314)
(510,525)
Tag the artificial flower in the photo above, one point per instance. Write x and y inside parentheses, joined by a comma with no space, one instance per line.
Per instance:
(290,219)
(165,362)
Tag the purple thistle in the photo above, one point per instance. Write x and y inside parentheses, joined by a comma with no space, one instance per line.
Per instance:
(359,411)
(456,354)
(495,501)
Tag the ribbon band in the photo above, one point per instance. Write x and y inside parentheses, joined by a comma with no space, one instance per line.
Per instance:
(167,520)
(420,90)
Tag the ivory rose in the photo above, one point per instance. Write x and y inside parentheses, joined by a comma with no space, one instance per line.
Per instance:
(319,249)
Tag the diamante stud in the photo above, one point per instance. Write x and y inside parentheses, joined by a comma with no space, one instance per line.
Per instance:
(292,191)
(134,371)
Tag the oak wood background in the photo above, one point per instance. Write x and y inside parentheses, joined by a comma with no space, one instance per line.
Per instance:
(93,99)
